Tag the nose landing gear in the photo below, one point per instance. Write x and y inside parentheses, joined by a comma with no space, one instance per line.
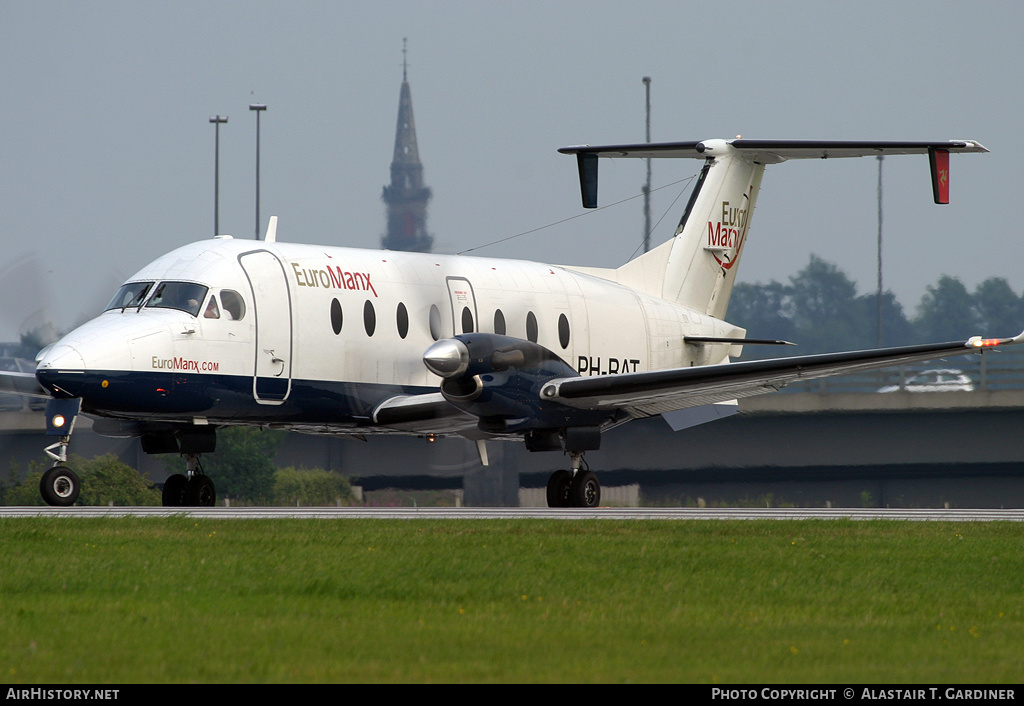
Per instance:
(59,485)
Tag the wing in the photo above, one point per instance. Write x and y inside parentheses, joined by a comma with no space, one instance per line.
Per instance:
(656,392)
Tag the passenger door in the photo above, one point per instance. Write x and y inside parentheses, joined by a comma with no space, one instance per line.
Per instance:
(464,313)
(272,367)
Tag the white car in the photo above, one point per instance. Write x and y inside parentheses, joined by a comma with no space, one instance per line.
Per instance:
(944,380)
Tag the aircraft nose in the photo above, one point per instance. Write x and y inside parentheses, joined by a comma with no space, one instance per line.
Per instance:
(60,370)
(447,358)
(62,357)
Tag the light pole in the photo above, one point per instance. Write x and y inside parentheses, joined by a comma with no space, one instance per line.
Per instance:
(879,295)
(259,108)
(647,187)
(216,120)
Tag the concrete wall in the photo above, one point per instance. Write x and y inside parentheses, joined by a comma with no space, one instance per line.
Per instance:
(922,454)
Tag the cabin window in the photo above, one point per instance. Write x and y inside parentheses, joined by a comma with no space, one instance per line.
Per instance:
(467,320)
(369,318)
(402,316)
(499,322)
(232,304)
(435,322)
(563,330)
(531,327)
(185,296)
(129,295)
(336,318)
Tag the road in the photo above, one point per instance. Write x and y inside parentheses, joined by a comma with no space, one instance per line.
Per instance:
(438,513)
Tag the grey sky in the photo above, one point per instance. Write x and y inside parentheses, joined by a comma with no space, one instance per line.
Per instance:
(106,152)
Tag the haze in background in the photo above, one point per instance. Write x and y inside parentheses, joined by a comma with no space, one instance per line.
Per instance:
(107,153)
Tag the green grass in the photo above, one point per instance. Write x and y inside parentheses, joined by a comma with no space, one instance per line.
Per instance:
(142,600)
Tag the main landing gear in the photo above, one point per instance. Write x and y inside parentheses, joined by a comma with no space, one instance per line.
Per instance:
(576,488)
(194,489)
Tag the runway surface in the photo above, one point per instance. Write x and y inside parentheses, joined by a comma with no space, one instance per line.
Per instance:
(608,513)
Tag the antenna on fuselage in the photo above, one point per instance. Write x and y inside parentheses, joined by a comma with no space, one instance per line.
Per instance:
(257,108)
(271,236)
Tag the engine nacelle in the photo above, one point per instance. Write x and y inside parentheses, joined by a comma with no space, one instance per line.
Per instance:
(498,379)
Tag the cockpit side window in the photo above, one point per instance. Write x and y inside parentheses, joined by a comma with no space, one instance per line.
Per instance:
(234,305)
(212,310)
(186,296)
(130,295)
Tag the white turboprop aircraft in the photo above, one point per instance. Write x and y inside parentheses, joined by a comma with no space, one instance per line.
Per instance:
(355,342)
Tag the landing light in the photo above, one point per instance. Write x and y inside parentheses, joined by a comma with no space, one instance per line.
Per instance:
(58,420)
(979,342)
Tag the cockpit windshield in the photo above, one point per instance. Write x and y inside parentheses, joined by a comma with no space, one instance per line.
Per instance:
(129,295)
(186,296)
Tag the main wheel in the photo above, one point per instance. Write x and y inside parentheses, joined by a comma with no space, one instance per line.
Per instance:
(200,492)
(585,490)
(558,489)
(174,491)
(60,486)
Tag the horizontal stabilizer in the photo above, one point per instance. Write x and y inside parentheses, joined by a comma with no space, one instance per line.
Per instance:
(771,152)
(737,341)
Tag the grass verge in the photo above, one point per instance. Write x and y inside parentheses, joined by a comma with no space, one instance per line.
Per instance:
(167,600)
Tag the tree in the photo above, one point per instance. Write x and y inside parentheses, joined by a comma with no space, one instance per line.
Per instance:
(946,311)
(1000,312)
(762,309)
(243,465)
(310,487)
(825,309)
(820,291)
(896,329)
(105,480)
(820,310)
(23,491)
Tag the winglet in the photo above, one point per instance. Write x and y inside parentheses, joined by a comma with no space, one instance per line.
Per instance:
(587,165)
(939,162)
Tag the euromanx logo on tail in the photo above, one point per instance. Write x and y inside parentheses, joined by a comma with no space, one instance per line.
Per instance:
(727,235)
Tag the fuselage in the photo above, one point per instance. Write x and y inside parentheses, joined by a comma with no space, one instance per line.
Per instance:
(228,331)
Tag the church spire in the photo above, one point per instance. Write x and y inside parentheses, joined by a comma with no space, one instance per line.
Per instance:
(406,196)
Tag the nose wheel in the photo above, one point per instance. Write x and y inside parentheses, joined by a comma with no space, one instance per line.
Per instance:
(60,486)
(576,488)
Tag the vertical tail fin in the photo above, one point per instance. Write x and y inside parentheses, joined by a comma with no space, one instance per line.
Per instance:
(708,243)
(697,267)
